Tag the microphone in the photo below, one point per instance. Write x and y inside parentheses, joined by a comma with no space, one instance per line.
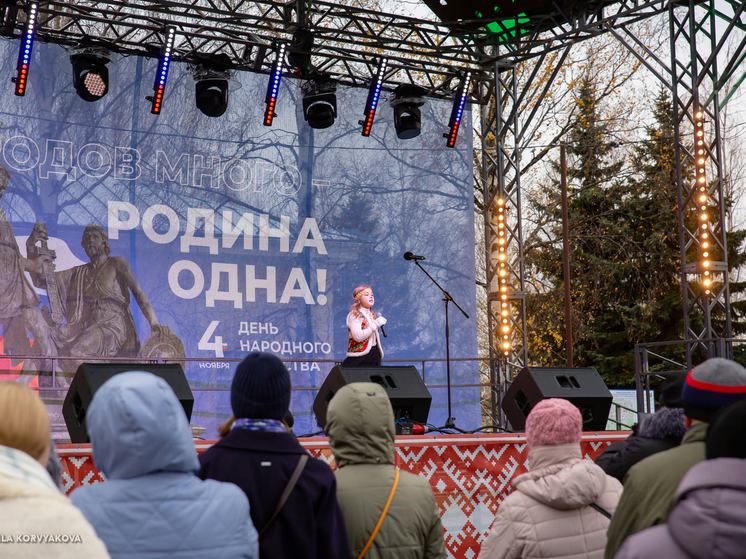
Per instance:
(410,256)
(383,330)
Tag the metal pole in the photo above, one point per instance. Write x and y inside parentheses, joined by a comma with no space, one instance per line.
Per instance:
(566,253)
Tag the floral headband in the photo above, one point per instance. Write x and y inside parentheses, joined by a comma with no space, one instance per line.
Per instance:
(361,293)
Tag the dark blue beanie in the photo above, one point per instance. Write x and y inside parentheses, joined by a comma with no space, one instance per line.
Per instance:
(712,385)
(261,387)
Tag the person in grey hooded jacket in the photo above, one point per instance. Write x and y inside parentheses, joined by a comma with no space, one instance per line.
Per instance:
(152,505)
(708,520)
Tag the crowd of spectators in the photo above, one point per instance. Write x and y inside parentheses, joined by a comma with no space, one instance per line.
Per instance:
(676,488)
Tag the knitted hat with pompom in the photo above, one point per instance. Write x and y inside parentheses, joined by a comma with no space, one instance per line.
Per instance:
(553,421)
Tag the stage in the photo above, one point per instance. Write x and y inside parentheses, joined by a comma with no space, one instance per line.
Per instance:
(470,474)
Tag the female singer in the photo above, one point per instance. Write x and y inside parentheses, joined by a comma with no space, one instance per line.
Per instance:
(364,348)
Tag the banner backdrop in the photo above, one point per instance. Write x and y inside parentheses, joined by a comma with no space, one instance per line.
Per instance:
(240,236)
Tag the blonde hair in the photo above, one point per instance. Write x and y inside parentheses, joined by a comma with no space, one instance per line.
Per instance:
(24,422)
(225,427)
(355,308)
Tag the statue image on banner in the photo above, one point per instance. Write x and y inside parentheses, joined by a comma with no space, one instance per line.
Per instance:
(19,303)
(95,300)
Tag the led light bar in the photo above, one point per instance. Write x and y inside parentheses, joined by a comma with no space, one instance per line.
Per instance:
(24,53)
(274,86)
(159,86)
(700,158)
(458,110)
(502,271)
(373,94)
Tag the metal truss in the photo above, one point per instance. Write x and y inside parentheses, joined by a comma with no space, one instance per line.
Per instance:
(702,226)
(349,40)
(506,309)
(693,78)
(503,129)
(698,36)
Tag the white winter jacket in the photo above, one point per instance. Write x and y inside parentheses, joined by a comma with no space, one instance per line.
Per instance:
(39,522)
(548,513)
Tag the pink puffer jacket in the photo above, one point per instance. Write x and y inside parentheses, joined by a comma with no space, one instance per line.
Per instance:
(548,514)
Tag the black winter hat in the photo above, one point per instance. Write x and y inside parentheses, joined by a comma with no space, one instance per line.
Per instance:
(261,387)
(726,435)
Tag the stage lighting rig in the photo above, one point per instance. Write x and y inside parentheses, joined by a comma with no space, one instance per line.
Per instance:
(164,62)
(319,102)
(458,110)
(406,103)
(24,52)
(273,87)
(90,73)
(373,95)
(212,76)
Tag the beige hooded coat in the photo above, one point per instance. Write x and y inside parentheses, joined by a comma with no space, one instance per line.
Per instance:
(548,514)
(360,425)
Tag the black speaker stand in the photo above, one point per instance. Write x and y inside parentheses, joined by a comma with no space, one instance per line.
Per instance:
(450,422)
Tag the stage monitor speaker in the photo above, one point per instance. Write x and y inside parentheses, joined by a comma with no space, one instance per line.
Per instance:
(583,387)
(90,376)
(405,388)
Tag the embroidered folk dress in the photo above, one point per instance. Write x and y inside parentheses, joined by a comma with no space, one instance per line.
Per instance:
(363,334)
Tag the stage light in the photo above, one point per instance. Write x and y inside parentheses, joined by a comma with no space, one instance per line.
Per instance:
(407,117)
(24,52)
(159,86)
(212,75)
(374,92)
(273,86)
(90,74)
(319,102)
(458,110)
(211,96)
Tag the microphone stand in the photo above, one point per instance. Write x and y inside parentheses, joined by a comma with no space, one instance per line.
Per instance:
(450,422)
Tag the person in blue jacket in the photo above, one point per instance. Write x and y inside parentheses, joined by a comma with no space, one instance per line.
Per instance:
(151,504)
(260,456)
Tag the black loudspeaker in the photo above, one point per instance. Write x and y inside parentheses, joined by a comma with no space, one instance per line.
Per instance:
(90,376)
(583,387)
(405,388)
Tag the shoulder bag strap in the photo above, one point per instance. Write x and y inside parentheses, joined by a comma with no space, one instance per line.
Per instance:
(286,493)
(600,509)
(383,515)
